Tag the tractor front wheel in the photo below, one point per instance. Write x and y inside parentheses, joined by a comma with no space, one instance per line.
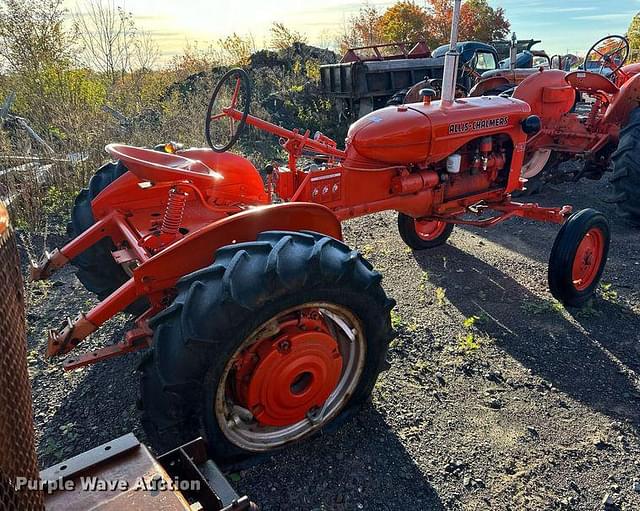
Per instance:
(277,340)
(578,257)
(626,170)
(423,234)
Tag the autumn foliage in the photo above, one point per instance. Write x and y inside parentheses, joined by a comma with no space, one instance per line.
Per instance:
(633,34)
(407,21)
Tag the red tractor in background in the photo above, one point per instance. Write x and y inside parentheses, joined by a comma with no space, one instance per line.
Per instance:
(590,115)
(264,326)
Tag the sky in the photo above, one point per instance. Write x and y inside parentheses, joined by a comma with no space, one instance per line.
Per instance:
(562,25)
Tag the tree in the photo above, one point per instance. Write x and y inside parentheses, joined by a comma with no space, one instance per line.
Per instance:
(407,22)
(404,22)
(235,50)
(439,17)
(283,37)
(362,29)
(481,22)
(478,21)
(633,34)
(31,34)
(112,44)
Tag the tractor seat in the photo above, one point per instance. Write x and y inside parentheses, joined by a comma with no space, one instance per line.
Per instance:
(586,81)
(159,167)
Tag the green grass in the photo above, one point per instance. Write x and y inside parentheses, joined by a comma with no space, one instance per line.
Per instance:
(607,292)
(468,342)
(396,319)
(542,307)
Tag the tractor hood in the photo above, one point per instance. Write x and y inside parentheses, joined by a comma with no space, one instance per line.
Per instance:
(419,133)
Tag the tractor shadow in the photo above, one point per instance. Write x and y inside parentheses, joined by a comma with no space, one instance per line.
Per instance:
(590,360)
(362,462)
(100,407)
(362,465)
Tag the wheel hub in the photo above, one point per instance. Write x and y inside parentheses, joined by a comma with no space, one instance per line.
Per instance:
(429,229)
(588,259)
(282,380)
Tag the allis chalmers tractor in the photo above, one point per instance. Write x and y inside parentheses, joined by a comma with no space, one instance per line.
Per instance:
(265,326)
(608,131)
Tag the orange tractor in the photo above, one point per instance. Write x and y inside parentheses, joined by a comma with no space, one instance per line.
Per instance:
(606,131)
(265,327)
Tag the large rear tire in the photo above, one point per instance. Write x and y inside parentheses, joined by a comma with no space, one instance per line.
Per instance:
(97,270)
(626,170)
(275,341)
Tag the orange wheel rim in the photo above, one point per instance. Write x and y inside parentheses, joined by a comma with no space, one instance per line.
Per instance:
(588,259)
(280,380)
(291,376)
(429,229)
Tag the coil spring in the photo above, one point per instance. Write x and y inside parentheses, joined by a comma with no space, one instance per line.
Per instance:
(172,219)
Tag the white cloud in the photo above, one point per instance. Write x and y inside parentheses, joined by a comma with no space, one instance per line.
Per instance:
(616,16)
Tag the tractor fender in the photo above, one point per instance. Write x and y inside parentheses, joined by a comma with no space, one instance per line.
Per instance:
(625,100)
(196,250)
(488,84)
(631,69)
(241,180)
(548,94)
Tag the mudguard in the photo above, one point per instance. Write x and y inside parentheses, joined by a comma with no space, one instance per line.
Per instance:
(196,251)
(630,70)
(548,94)
(241,180)
(624,101)
(488,84)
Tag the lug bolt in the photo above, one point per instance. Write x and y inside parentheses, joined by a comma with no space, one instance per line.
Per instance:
(284,346)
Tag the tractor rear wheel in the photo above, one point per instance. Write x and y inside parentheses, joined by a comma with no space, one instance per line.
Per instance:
(278,339)
(506,89)
(423,234)
(626,170)
(578,257)
(537,169)
(97,270)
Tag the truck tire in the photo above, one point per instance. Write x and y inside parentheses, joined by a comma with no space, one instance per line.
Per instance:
(97,271)
(423,235)
(278,339)
(578,257)
(626,170)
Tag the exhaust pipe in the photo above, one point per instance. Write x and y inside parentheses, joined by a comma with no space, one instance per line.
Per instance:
(451,59)
(513,52)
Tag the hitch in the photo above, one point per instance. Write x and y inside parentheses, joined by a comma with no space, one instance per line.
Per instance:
(47,266)
(68,337)
(137,339)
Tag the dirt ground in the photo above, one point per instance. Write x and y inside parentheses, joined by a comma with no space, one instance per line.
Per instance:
(497,397)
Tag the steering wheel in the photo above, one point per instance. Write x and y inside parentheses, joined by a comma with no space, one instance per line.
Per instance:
(228,110)
(611,52)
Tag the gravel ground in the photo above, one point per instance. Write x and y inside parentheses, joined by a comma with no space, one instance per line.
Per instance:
(497,397)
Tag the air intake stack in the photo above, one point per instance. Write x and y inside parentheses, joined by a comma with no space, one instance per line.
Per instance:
(451,60)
